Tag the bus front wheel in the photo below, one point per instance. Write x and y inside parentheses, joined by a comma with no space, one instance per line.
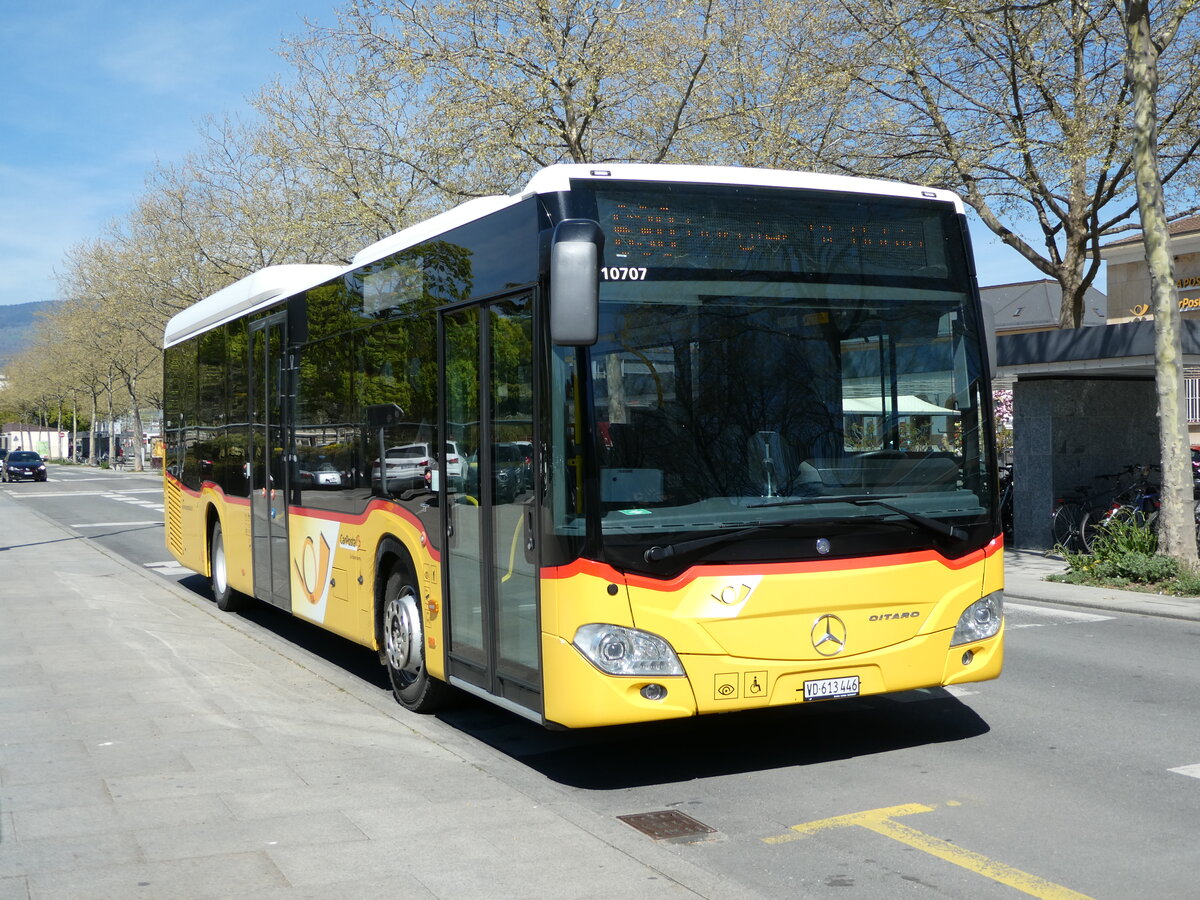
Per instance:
(227,598)
(404,647)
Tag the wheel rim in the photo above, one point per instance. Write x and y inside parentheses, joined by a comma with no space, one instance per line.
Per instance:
(402,633)
(220,575)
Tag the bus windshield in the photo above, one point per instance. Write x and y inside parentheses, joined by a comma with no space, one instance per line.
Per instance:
(775,366)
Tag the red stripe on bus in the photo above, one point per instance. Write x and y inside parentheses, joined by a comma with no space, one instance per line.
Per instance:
(608,573)
(326,515)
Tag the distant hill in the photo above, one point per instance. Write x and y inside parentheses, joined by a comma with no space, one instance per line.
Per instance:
(17,324)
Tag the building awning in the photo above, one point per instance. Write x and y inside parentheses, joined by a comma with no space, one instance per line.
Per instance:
(908,406)
(1124,350)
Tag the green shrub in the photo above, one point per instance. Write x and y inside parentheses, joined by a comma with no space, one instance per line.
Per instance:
(1124,535)
(1123,555)
(1143,568)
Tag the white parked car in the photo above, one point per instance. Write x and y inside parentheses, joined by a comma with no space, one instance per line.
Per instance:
(407,466)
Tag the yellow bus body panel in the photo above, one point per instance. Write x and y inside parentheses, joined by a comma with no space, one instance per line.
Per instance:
(332,570)
(746,639)
(331,560)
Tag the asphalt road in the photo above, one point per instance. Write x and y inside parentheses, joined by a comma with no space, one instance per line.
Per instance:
(1075,774)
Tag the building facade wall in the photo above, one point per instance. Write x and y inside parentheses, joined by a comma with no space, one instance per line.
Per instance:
(1129,288)
(50,444)
(1129,301)
(1066,433)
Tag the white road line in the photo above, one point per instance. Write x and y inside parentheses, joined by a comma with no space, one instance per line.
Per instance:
(58,476)
(59,494)
(113,524)
(955,691)
(1190,771)
(169,567)
(1049,615)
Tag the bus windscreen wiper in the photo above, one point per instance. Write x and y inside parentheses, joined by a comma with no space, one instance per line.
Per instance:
(665,551)
(933,525)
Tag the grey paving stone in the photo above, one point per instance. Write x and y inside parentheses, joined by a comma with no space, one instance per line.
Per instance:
(179,842)
(185,784)
(97,818)
(59,854)
(75,792)
(225,876)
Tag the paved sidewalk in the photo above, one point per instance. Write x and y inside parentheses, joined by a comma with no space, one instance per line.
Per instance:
(153,747)
(1025,571)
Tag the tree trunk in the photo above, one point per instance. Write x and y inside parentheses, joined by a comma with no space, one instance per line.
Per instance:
(92,442)
(1177,529)
(112,428)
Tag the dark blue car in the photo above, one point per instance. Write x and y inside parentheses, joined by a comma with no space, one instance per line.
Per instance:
(21,464)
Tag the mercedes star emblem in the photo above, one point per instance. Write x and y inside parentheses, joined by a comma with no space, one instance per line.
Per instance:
(829,635)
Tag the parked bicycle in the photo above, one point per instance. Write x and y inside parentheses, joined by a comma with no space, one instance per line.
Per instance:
(1138,503)
(1070,517)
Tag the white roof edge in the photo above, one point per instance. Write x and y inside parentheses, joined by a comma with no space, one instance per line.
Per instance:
(257,289)
(422,231)
(556,178)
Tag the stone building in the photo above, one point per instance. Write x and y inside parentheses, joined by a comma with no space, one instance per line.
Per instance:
(1084,399)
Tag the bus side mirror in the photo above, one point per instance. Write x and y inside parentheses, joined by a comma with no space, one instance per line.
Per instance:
(575,254)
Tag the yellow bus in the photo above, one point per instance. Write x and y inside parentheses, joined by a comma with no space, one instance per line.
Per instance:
(634,443)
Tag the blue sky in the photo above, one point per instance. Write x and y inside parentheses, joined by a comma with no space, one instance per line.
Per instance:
(97,91)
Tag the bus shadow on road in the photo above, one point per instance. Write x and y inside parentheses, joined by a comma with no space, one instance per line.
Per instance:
(735,743)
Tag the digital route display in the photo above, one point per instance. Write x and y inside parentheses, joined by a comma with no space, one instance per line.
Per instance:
(767,229)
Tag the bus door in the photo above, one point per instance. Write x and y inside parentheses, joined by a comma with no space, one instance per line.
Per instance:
(268,495)
(489,578)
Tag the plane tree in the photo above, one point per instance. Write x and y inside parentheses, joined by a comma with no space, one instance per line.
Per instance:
(1023,108)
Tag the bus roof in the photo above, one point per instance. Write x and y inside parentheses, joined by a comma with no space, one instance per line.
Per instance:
(558,178)
(275,282)
(245,295)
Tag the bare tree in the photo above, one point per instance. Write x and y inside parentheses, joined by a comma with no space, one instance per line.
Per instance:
(1145,46)
(1025,109)
(101,281)
(494,90)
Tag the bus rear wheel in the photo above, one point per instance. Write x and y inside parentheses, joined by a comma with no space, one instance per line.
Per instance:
(227,598)
(404,647)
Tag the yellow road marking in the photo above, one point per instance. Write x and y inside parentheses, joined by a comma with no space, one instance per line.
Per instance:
(882,821)
(862,818)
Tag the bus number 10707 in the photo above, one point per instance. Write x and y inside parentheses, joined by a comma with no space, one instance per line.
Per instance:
(623,273)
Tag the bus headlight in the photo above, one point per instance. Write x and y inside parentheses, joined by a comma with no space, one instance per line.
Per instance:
(626,651)
(980,620)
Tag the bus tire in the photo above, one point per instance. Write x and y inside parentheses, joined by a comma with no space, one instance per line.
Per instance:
(404,647)
(228,600)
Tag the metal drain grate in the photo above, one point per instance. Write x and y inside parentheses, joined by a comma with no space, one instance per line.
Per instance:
(668,825)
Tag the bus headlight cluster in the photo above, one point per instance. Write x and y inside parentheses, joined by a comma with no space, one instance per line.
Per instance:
(980,620)
(626,651)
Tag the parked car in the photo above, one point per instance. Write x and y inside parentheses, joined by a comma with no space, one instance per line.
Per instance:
(507,472)
(407,466)
(21,464)
(526,450)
